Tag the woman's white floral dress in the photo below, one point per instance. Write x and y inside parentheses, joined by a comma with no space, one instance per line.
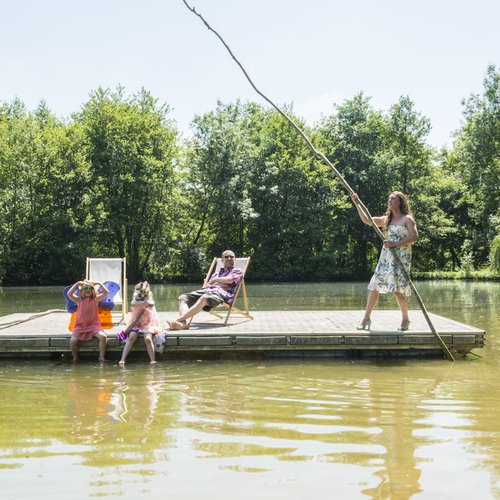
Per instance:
(388,276)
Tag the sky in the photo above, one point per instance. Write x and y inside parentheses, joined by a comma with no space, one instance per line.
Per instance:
(309,53)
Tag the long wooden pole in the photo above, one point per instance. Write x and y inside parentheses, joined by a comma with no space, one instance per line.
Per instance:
(320,156)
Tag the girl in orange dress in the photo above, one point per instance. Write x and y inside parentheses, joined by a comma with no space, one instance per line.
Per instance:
(144,319)
(87,324)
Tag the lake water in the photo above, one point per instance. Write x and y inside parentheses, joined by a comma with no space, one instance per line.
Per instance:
(256,428)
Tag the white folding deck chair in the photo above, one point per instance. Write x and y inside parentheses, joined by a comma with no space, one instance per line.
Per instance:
(242,263)
(110,269)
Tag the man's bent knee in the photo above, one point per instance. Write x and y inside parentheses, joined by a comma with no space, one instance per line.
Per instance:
(202,300)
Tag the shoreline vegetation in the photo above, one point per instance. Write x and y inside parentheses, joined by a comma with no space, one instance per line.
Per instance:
(116,178)
(474,276)
(457,275)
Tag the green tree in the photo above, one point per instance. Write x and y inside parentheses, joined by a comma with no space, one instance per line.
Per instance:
(132,150)
(219,161)
(292,196)
(430,188)
(475,157)
(254,187)
(439,202)
(43,175)
(410,155)
(354,139)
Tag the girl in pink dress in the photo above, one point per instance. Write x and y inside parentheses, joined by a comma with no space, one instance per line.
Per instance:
(143,319)
(87,324)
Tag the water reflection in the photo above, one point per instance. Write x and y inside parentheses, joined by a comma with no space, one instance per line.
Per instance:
(399,476)
(123,419)
(464,300)
(278,429)
(353,422)
(380,429)
(116,410)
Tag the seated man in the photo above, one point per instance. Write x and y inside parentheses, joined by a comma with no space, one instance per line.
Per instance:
(219,288)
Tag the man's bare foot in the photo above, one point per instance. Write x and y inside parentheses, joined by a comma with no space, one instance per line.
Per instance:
(153,362)
(102,360)
(178,325)
(121,363)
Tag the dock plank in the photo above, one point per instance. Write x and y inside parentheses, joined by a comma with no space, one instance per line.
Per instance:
(279,331)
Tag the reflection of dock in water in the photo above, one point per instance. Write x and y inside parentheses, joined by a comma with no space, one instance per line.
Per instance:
(276,333)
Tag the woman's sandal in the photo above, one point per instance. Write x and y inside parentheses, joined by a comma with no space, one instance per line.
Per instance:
(405,324)
(365,324)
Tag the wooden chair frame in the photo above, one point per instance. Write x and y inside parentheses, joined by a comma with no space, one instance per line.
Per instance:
(123,279)
(242,263)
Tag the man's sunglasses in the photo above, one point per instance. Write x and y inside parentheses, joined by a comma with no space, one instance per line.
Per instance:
(229,257)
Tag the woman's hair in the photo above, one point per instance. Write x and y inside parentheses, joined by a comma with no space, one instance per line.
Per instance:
(88,283)
(142,293)
(404,207)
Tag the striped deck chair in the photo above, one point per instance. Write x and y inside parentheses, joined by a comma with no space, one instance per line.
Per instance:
(242,263)
(114,271)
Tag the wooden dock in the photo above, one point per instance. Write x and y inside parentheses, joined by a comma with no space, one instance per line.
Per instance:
(272,333)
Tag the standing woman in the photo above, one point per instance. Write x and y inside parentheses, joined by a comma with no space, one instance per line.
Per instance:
(400,231)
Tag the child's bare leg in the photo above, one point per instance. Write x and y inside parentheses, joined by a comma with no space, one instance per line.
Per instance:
(128,346)
(73,344)
(103,340)
(148,340)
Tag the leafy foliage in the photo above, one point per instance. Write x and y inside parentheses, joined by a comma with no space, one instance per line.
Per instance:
(131,150)
(116,180)
(475,157)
